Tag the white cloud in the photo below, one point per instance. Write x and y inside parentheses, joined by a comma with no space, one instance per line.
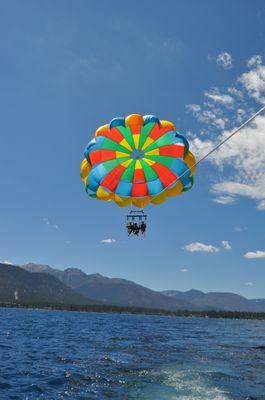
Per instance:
(253,81)
(255,191)
(184,270)
(235,92)
(219,123)
(239,229)
(7,262)
(254,61)
(226,245)
(240,115)
(201,147)
(235,188)
(224,200)
(249,283)
(224,60)
(48,223)
(216,96)
(255,254)
(194,108)
(198,246)
(241,160)
(206,116)
(245,154)
(261,205)
(108,241)
(211,117)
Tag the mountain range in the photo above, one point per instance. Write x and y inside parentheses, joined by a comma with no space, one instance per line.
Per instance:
(18,285)
(36,283)
(114,291)
(218,300)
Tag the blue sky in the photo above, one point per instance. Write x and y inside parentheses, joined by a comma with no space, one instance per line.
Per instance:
(68,67)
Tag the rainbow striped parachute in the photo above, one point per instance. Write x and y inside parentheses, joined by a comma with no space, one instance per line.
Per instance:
(137,160)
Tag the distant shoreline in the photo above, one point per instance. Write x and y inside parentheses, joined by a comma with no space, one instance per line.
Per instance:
(136,310)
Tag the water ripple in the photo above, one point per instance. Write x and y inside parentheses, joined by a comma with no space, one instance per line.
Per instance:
(62,355)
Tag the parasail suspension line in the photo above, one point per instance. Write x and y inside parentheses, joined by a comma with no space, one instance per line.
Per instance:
(214,149)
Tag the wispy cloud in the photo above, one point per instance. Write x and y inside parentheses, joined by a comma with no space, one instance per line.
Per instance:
(49,223)
(208,115)
(244,155)
(261,205)
(7,262)
(215,95)
(226,245)
(249,284)
(207,248)
(239,229)
(201,247)
(184,269)
(108,241)
(254,61)
(224,200)
(253,81)
(224,60)
(235,92)
(194,108)
(255,254)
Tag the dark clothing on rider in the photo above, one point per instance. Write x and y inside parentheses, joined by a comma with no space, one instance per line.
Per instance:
(136,229)
(143,227)
(129,228)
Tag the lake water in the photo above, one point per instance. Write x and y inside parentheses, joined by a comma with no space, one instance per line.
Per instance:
(69,355)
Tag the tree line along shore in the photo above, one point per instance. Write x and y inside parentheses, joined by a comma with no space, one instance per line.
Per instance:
(136,310)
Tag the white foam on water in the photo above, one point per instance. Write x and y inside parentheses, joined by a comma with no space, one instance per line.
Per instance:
(192,385)
(174,384)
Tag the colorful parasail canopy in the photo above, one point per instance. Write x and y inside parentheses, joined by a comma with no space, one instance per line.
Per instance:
(137,160)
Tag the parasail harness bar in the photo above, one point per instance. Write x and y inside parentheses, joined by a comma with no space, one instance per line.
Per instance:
(136,216)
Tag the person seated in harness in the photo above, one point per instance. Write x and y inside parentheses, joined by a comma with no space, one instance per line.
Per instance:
(130,228)
(143,227)
(136,229)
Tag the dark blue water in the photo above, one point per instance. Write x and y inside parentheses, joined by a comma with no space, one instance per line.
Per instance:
(63,355)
